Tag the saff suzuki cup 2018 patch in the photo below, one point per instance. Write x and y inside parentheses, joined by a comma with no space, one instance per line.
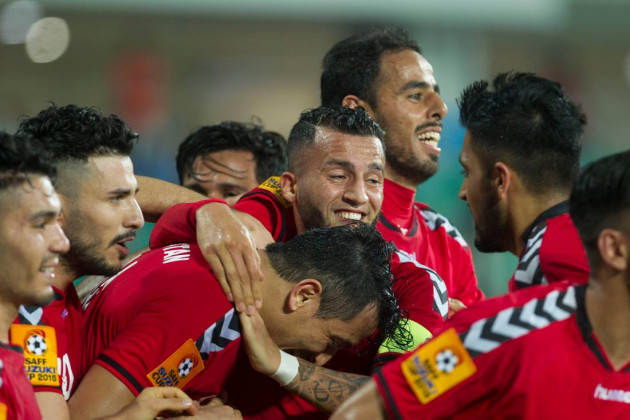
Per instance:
(40,352)
(272,184)
(438,366)
(181,366)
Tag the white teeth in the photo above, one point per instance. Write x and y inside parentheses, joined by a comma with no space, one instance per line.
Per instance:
(431,143)
(349,215)
(431,135)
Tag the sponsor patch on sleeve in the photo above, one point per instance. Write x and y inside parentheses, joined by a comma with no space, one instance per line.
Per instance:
(272,185)
(40,353)
(3,412)
(181,366)
(438,366)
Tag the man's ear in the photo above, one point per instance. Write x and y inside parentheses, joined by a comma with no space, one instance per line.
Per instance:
(614,249)
(305,295)
(288,185)
(503,177)
(352,101)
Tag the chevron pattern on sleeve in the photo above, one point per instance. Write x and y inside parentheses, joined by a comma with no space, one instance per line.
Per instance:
(529,271)
(487,334)
(219,334)
(440,294)
(435,220)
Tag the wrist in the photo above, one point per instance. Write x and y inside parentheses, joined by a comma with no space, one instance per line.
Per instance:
(287,370)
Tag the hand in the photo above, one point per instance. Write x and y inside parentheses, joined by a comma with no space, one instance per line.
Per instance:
(263,353)
(216,410)
(153,401)
(454,306)
(229,248)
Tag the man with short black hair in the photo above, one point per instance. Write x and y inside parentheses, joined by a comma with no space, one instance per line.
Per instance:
(520,155)
(97,188)
(384,71)
(228,159)
(551,351)
(164,320)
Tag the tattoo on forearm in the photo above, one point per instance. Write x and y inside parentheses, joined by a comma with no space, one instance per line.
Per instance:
(324,388)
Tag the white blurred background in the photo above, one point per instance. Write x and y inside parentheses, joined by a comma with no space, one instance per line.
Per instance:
(169,66)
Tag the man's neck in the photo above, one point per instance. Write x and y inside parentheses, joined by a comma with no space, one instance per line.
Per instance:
(394,176)
(523,211)
(608,310)
(64,276)
(8,312)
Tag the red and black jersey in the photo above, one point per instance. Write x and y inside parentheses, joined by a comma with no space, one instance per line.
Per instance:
(430,239)
(553,251)
(51,338)
(163,321)
(530,354)
(17,400)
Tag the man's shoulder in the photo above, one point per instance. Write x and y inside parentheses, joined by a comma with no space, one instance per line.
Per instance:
(438,223)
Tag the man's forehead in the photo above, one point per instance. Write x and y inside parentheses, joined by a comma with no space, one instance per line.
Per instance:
(331,140)
(407,66)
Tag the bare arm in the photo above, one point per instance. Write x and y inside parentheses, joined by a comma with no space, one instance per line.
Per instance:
(326,389)
(155,196)
(363,404)
(52,406)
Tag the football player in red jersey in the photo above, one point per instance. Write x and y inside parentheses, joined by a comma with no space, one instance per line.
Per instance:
(384,71)
(520,156)
(562,349)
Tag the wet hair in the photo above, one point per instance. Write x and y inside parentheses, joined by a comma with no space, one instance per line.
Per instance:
(20,157)
(345,120)
(351,263)
(529,123)
(352,65)
(269,148)
(600,199)
(74,134)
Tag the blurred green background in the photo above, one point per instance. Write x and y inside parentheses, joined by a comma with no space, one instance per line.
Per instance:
(167,67)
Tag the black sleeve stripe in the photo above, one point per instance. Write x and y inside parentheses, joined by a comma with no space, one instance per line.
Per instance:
(388,396)
(122,371)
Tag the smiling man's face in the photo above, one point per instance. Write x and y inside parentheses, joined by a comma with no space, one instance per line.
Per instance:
(340,180)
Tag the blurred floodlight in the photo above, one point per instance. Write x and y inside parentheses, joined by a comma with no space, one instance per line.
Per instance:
(15,19)
(47,39)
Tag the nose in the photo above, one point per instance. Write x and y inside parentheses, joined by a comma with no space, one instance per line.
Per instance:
(59,243)
(355,192)
(438,109)
(133,217)
(462,191)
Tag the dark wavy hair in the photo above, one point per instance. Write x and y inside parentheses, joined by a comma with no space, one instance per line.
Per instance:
(74,133)
(529,123)
(352,263)
(355,121)
(21,156)
(353,64)
(269,148)
(601,199)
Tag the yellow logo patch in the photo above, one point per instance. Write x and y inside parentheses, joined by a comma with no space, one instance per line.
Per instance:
(40,352)
(272,184)
(3,412)
(179,368)
(438,366)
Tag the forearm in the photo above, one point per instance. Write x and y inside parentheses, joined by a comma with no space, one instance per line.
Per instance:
(324,388)
(155,196)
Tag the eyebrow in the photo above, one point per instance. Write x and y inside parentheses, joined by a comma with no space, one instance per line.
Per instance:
(44,214)
(415,84)
(350,166)
(119,191)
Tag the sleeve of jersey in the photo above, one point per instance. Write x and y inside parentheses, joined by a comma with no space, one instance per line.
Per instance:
(414,291)
(437,380)
(177,225)
(467,289)
(265,206)
(166,321)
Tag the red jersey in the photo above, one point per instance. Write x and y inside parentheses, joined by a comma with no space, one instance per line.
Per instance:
(17,400)
(531,355)
(429,238)
(51,339)
(553,251)
(163,321)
